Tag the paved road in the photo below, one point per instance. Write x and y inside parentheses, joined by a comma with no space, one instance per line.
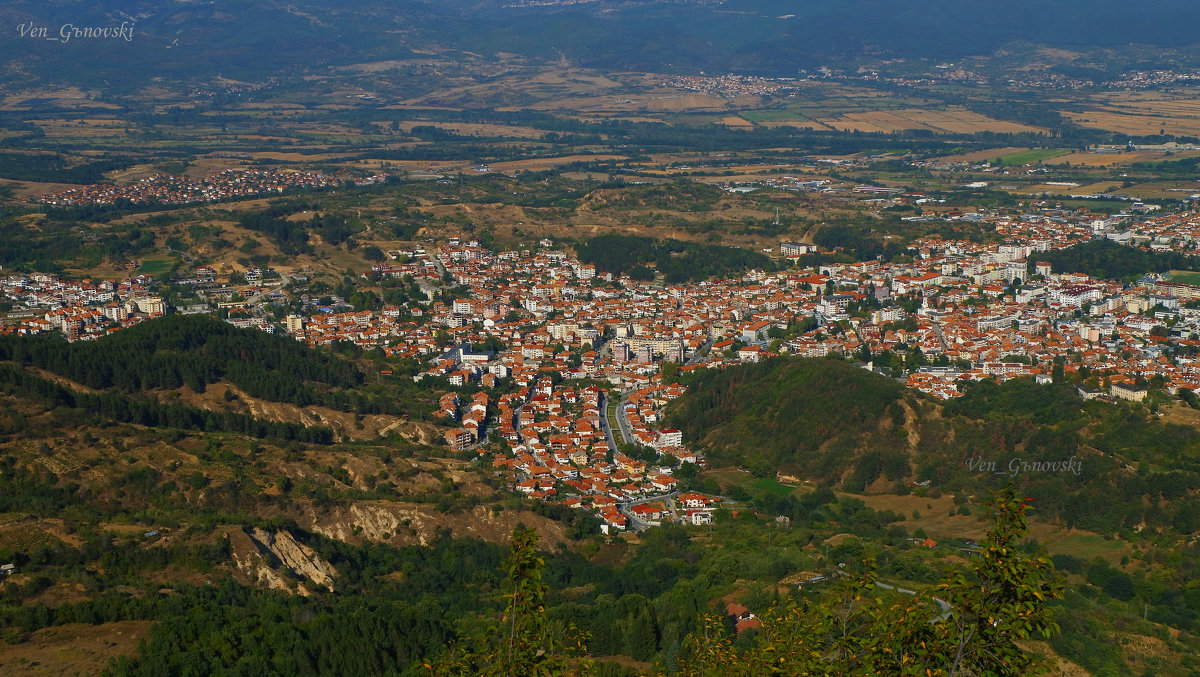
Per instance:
(937,331)
(701,351)
(623,421)
(608,435)
(638,524)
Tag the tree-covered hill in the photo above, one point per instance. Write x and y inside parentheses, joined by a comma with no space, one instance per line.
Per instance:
(1106,260)
(677,261)
(835,423)
(790,414)
(197,351)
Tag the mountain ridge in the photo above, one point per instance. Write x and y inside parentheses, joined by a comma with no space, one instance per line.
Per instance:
(260,39)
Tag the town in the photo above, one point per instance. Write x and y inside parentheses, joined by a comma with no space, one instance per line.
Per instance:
(588,360)
(178,190)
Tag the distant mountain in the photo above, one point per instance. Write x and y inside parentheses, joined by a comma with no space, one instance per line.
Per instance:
(260,39)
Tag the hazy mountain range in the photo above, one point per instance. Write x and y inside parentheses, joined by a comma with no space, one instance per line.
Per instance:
(260,38)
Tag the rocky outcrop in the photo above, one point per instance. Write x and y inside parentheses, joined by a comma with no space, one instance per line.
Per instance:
(418,524)
(277,561)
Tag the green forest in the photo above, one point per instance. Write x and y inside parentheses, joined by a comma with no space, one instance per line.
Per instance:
(197,351)
(1104,259)
(677,261)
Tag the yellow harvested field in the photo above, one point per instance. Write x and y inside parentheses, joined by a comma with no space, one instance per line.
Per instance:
(872,122)
(959,121)
(951,121)
(737,122)
(1175,118)
(1093,159)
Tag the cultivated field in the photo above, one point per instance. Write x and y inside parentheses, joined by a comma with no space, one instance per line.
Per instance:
(981,155)
(1033,155)
(1101,159)
(1143,115)
(949,121)
(737,122)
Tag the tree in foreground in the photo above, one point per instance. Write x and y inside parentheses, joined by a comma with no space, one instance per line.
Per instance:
(972,626)
(521,645)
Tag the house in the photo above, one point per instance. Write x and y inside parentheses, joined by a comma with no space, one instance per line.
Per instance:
(790,249)
(1127,392)
(647,513)
(460,439)
(750,353)
(743,618)
(668,438)
(696,501)
(756,331)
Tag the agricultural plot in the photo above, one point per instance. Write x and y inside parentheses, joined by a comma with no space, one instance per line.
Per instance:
(1099,159)
(950,121)
(737,122)
(783,118)
(981,155)
(1033,155)
(477,129)
(1144,118)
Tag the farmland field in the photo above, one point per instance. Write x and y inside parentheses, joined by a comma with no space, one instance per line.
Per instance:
(1177,122)
(950,121)
(1034,155)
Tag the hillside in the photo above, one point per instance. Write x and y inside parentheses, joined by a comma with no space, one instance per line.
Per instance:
(124,523)
(197,351)
(794,415)
(834,423)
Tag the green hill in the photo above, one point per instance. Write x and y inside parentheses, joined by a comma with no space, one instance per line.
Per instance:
(795,415)
(835,423)
(197,351)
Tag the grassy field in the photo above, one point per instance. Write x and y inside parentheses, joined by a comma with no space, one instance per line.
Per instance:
(1034,155)
(774,115)
(1185,276)
(156,266)
(771,485)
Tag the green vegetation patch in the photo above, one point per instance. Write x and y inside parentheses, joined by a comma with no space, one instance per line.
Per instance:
(1034,155)
(775,115)
(771,486)
(156,267)
(1105,259)
(1185,276)
(788,414)
(677,261)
